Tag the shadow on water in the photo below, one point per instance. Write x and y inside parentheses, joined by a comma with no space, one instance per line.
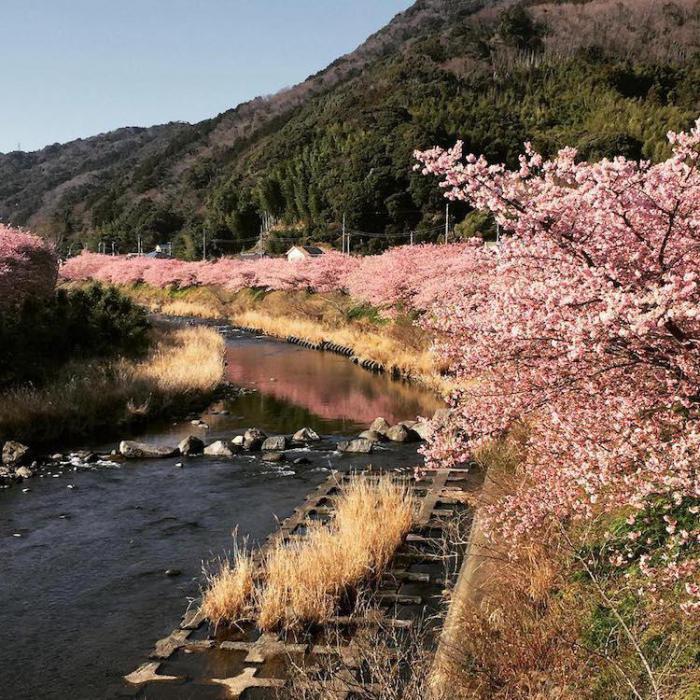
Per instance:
(83,594)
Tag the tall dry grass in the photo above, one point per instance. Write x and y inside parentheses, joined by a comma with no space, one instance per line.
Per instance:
(229,587)
(307,581)
(183,366)
(186,360)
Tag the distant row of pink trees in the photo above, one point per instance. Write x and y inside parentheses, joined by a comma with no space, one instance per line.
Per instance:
(28,267)
(407,276)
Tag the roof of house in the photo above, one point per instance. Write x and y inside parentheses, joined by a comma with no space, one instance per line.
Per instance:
(308,249)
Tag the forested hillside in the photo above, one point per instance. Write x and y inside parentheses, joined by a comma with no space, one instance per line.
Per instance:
(608,77)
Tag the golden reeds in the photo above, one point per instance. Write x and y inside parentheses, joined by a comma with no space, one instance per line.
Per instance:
(229,587)
(305,582)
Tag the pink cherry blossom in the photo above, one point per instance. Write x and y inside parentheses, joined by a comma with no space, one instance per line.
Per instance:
(28,267)
(585,325)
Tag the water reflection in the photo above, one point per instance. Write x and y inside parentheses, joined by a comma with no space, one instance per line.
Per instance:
(342,395)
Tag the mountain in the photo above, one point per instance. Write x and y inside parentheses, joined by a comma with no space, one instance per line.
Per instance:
(607,76)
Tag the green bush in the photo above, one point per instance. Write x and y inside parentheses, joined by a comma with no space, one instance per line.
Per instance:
(85,323)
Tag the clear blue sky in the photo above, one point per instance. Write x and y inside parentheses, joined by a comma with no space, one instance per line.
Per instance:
(74,68)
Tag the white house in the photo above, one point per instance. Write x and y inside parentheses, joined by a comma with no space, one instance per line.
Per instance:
(302,252)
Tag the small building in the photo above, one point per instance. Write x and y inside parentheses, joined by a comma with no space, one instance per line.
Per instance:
(303,252)
(161,252)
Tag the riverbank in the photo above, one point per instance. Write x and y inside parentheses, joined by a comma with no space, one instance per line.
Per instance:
(180,371)
(396,343)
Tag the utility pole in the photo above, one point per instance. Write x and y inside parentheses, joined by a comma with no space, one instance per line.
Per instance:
(447,221)
(411,237)
(113,253)
(343,236)
(348,242)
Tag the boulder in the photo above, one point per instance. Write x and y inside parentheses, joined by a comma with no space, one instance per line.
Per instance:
(379,425)
(306,435)
(423,429)
(218,449)
(253,438)
(191,445)
(24,473)
(238,441)
(400,433)
(277,443)
(358,445)
(139,450)
(372,436)
(273,456)
(15,454)
(410,424)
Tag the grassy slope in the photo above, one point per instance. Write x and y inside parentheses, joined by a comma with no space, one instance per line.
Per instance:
(183,367)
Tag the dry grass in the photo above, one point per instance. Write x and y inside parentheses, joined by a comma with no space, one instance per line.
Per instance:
(229,588)
(183,365)
(193,309)
(306,581)
(184,360)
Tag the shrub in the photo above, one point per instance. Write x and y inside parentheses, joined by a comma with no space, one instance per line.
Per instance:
(41,334)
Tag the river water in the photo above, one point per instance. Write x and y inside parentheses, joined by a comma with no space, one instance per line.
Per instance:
(83,593)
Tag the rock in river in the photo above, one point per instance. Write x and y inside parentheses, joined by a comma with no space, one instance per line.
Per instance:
(15,454)
(358,445)
(139,450)
(277,443)
(372,436)
(191,445)
(305,435)
(379,425)
(253,438)
(400,433)
(273,456)
(218,449)
(24,473)
(423,429)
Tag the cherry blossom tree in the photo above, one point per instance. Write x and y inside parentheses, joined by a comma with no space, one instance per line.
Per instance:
(28,267)
(585,325)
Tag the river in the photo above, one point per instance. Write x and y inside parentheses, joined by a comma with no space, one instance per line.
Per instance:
(83,590)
